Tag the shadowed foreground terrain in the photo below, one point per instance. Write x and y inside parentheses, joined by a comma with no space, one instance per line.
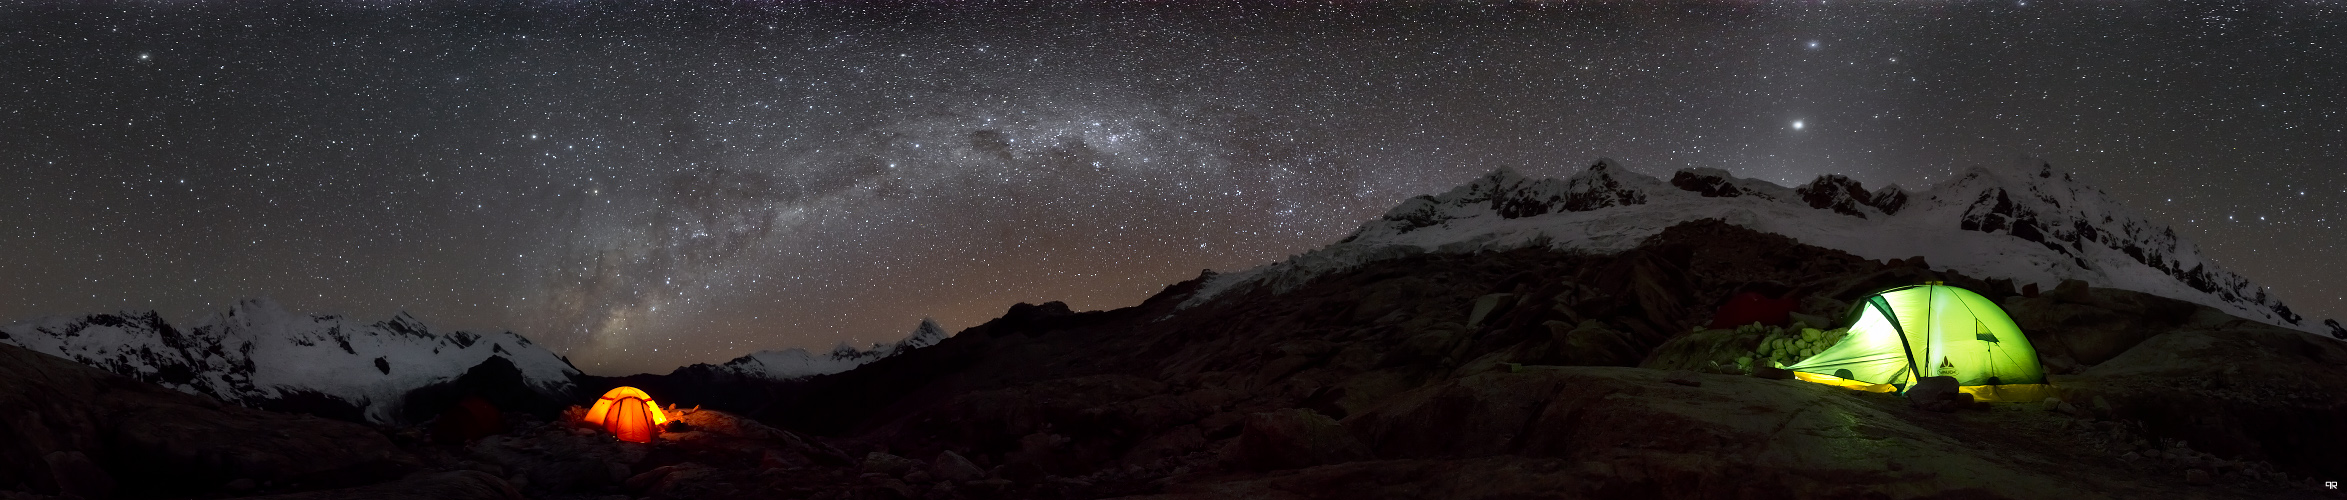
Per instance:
(1518,374)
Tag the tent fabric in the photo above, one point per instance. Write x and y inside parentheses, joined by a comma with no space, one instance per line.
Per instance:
(629,421)
(2009,392)
(628,413)
(1900,335)
(1843,382)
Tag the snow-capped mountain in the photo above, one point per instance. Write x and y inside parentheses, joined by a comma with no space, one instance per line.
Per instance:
(789,364)
(2023,221)
(257,353)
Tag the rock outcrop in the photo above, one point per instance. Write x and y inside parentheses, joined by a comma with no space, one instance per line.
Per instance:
(69,428)
(1523,373)
(1532,372)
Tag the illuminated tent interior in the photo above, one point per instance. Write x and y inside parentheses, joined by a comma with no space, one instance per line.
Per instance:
(1933,329)
(628,413)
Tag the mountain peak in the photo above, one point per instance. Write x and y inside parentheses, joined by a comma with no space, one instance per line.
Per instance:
(796,363)
(2023,221)
(258,309)
(257,354)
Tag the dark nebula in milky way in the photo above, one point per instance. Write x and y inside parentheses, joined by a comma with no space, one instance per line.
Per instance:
(647,184)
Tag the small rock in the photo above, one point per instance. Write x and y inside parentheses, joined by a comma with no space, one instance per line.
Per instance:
(2073,410)
(896,489)
(1683,377)
(241,485)
(2130,456)
(2197,477)
(918,476)
(887,464)
(951,466)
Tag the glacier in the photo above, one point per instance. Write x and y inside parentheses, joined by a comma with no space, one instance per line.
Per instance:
(256,352)
(2022,221)
(796,363)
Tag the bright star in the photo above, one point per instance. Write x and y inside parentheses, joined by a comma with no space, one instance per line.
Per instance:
(1796,124)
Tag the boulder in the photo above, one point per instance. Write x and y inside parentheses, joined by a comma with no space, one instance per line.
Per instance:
(1937,394)
(562,461)
(77,476)
(2240,390)
(1294,438)
(471,419)
(72,426)
(455,485)
(1592,343)
(1713,351)
(887,464)
(1490,306)
(1605,432)
(2073,292)
(1656,285)
(952,467)
(1683,377)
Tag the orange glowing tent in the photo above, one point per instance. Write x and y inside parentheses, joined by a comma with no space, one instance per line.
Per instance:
(628,413)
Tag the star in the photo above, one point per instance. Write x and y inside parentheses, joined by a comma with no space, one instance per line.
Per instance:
(767,179)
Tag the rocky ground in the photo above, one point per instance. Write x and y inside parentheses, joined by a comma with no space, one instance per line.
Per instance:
(1498,375)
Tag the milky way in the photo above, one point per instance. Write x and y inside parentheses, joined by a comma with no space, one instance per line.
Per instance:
(647,186)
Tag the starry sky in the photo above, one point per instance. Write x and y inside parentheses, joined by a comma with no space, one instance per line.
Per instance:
(641,185)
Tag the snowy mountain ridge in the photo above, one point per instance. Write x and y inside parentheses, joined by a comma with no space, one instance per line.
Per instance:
(795,363)
(2022,221)
(257,352)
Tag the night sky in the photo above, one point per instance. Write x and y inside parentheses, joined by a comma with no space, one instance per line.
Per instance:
(644,186)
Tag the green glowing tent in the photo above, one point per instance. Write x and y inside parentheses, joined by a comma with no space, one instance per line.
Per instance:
(1932,329)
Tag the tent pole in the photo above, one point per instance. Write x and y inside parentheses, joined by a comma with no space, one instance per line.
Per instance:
(1885,308)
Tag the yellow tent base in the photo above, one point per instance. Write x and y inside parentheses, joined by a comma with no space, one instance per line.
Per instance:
(2007,393)
(1843,382)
